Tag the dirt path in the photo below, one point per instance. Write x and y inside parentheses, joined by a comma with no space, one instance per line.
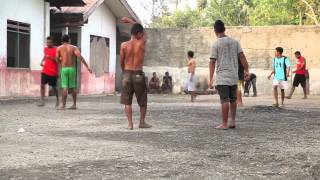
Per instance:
(92,142)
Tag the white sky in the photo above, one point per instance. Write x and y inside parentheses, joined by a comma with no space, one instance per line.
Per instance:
(140,7)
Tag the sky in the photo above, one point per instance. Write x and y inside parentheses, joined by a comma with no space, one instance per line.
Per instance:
(141,7)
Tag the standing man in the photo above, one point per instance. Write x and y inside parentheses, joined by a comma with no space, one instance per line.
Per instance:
(133,82)
(190,85)
(49,73)
(281,69)
(225,54)
(301,75)
(68,73)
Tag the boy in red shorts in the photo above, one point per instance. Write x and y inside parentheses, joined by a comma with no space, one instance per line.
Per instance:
(49,74)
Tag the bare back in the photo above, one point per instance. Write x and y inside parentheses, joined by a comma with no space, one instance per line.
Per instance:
(66,53)
(133,54)
(192,66)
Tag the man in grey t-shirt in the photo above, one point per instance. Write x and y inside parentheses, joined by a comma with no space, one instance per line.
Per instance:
(224,55)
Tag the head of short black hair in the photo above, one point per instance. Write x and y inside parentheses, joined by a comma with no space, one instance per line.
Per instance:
(279,50)
(49,38)
(297,53)
(154,73)
(190,54)
(219,27)
(167,73)
(65,38)
(137,28)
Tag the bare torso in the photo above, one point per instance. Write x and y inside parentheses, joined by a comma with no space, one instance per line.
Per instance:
(66,54)
(133,54)
(192,66)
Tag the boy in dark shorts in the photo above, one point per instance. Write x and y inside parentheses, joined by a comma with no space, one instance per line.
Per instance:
(225,53)
(134,80)
(49,74)
(301,75)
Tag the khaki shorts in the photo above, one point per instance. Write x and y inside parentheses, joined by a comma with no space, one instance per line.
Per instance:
(281,84)
(134,82)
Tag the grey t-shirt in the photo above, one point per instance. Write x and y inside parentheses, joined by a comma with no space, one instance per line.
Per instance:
(226,52)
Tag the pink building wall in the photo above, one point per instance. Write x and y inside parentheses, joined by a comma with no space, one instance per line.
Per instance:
(26,83)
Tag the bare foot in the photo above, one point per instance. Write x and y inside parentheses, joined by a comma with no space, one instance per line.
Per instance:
(130,128)
(288,97)
(232,125)
(305,97)
(275,105)
(41,104)
(73,107)
(62,108)
(145,125)
(222,127)
(57,104)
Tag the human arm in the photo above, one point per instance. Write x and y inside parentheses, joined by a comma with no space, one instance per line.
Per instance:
(245,65)
(129,21)
(212,63)
(122,56)
(303,64)
(288,65)
(243,61)
(42,61)
(272,73)
(57,58)
(212,66)
(78,54)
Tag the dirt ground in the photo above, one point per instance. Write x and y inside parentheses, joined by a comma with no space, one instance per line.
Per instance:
(93,143)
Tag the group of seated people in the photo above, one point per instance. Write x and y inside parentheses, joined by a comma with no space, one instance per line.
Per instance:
(155,84)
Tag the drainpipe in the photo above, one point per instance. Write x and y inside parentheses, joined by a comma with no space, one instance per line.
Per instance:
(46,22)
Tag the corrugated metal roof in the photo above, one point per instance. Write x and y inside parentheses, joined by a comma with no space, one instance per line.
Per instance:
(61,3)
(91,5)
(78,10)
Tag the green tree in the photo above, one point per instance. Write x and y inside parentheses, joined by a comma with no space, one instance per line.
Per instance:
(244,12)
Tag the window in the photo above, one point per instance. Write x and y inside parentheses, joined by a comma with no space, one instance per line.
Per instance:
(99,54)
(18,44)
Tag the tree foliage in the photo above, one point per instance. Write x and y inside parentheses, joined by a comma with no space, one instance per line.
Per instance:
(243,13)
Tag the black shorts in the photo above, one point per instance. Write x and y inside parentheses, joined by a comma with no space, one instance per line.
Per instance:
(299,79)
(227,93)
(51,80)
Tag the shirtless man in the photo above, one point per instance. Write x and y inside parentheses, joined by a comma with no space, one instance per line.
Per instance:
(190,82)
(133,82)
(68,73)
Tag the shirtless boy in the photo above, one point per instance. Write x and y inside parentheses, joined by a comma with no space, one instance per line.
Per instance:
(133,82)
(190,82)
(68,73)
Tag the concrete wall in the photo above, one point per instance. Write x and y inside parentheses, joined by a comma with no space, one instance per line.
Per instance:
(14,82)
(167,48)
(26,82)
(101,23)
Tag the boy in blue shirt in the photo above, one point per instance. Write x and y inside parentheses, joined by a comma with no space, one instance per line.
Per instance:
(281,69)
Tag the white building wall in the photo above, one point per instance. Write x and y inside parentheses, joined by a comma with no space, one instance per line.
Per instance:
(101,23)
(26,11)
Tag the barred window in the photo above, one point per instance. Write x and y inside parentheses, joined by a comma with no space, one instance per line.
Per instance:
(18,44)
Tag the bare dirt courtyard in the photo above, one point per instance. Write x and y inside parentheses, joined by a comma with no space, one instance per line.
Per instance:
(93,143)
